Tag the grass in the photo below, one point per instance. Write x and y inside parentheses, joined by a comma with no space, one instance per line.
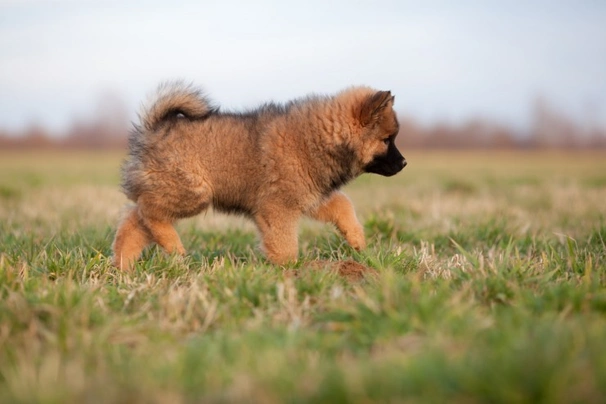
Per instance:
(489,287)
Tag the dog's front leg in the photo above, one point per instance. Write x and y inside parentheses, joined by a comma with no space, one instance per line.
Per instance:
(278,228)
(338,210)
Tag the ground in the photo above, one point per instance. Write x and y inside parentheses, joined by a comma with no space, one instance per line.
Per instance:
(484,281)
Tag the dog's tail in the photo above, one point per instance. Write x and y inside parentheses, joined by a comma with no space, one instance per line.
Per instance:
(173,99)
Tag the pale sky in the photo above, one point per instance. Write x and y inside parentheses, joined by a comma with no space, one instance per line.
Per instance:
(444,60)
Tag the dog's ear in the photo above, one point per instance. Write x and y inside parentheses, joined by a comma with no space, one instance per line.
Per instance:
(373,105)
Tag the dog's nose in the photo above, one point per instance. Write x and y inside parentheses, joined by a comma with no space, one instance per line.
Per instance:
(404,162)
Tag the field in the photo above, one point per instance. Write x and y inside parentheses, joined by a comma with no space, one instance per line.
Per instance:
(484,281)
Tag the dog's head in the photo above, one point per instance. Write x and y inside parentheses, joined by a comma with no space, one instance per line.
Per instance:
(377,130)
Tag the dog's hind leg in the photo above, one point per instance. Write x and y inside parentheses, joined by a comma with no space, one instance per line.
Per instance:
(160,227)
(165,235)
(338,210)
(131,238)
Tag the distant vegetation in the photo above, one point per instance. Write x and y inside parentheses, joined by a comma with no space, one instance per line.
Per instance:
(550,129)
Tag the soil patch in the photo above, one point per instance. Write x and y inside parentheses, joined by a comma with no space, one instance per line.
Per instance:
(349,269)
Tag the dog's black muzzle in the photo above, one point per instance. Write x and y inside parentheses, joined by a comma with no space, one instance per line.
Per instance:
(388,164)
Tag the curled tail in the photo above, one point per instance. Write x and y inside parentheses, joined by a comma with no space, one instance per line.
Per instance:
(171,99)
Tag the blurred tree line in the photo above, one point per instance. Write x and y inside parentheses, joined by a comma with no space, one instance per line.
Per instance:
(549,129)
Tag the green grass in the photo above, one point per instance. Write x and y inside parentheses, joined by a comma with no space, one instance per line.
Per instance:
(489,287)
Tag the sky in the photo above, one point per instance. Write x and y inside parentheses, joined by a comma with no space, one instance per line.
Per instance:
(449,61)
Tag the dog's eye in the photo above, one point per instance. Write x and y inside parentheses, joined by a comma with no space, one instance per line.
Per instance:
(386,140)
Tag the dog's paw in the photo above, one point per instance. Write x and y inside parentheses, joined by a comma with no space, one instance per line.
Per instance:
(356,239)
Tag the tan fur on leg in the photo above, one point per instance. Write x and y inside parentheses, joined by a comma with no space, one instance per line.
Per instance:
(278,228)
(165,235)
(338,210)
(131,238)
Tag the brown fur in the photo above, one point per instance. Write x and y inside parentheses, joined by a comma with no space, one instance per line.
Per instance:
(274,165)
